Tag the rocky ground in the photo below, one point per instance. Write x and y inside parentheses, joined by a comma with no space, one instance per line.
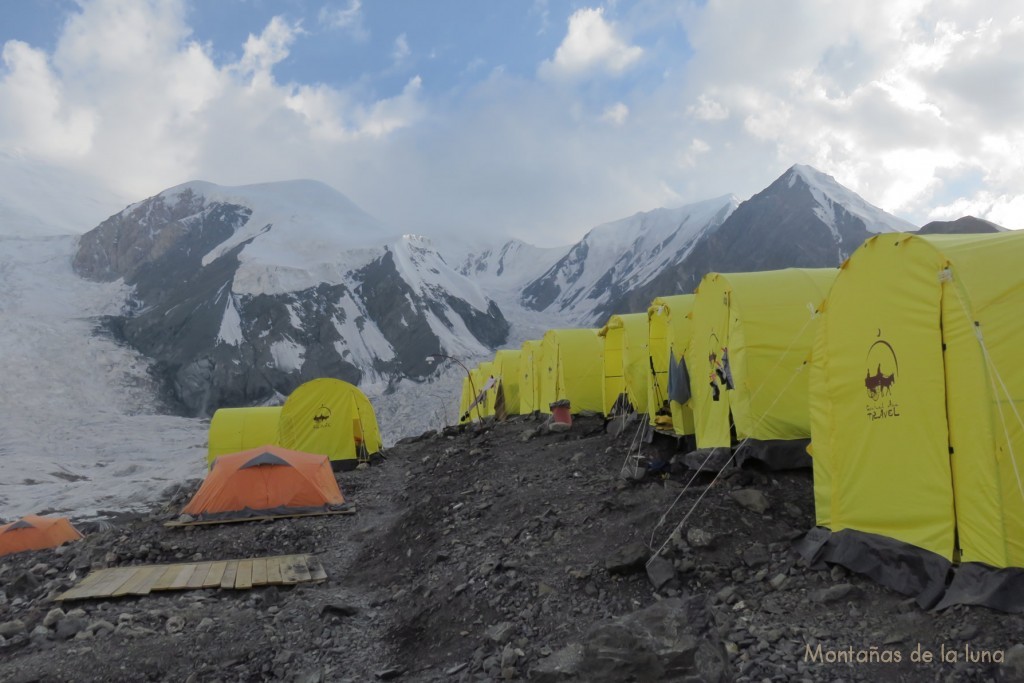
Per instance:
(506,553)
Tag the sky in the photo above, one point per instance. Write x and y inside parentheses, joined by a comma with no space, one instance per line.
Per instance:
(536,119)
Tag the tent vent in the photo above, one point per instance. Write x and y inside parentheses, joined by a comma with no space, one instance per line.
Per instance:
(265,458)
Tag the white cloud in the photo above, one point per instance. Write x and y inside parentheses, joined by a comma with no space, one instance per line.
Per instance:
(707,109)
(915,104)
(35,114)
(129,97)
(1005,209)
(401,50)
(691,156)
(591,44)
(262,52)
(349,18)
(890,97)
(616,114)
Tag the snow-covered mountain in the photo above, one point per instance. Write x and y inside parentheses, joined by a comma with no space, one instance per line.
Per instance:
(804,219)
(507,267)
(618,257)
(242,293)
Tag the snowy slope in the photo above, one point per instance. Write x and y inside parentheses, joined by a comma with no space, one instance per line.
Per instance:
(829,194)
(80,428)
(622,255)
(507,266)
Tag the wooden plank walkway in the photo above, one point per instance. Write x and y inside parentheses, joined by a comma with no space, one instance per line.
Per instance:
(349,510)
(238,574)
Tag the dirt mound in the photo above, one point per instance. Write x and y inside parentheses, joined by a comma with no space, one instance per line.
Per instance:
(507,553)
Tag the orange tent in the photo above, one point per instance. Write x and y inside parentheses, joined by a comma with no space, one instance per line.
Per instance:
(35,533)
(268,480)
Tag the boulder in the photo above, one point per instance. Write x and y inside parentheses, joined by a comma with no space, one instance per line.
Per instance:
(670,640)
(627,559)
(501,633)
(69,627)
(12,628)
(711,460)
(751,499)
(660,571)
(563,665)
(756,555)
(834,593)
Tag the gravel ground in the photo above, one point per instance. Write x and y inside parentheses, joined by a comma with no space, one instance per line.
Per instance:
(506,553)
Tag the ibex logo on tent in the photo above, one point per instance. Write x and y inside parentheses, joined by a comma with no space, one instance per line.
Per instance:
(322,417)
(882,372)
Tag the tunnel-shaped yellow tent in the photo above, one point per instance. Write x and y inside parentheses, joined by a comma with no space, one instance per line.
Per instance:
(529,377)
(333,418)
(571,369)
(669,323)
(239,429)
(751,337)
(917,389)
(506,376)
(626,362)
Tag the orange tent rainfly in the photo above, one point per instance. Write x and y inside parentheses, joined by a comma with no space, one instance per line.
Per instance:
(266,481)
(36,533)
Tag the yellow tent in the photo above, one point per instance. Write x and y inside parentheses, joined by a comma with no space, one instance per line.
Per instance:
(669,326)
(626,363)
(333,418)
(529,384)
(571,369)
(751,337)
(917,392)
(239,429)
(506,375)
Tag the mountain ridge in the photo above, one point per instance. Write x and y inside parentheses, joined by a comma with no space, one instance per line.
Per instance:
(242,293)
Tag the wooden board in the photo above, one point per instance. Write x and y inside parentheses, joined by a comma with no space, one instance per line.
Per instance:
(228,580)
(317,572)
(237,574)
(138,578)
(350,510)
(215,576)
(294,569)
(243,579)
(198,577)
(274,570)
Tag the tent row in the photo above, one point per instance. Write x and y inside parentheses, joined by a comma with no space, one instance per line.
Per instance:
(722,365)
(902,372)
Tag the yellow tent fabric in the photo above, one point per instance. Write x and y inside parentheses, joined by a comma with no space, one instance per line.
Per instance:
(506,373)
(571,369)
(239,429)
(751,337)
(465,399)
(668,325)
(626,362)
(330,417)
(918,389)
(529,385)
(481,374)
